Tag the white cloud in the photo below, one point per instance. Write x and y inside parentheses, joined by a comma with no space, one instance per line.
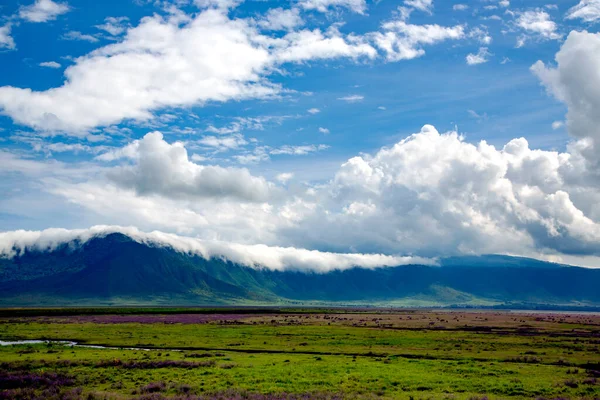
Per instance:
(171,65)
(164,62)
(284,177)
(313,111)
(586,10)
(324,131)
(6,40)
(358,6)
(279,19)
(422,5)
(314,45)
(504,3)
(114,25)
(353,98)
(481,57)
(164,169)
(575,82)
(557,125)
(50,64)
(129,151)
(254,256)
(539,23)
(460,7)
(403,41)
(434,193)
(43,11)
(198,158)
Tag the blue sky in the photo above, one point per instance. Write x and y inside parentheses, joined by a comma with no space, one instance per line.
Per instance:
(271,99)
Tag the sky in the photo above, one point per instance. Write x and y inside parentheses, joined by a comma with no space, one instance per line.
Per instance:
(415,128)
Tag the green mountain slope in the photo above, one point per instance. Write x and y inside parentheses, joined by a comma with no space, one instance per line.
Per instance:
(115,269)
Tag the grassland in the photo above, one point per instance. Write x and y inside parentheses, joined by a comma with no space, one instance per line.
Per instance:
(301,354)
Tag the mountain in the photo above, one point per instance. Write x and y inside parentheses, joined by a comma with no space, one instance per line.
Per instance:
(115,269)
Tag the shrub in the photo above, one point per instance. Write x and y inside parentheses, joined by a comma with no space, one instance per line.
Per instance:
(154,387)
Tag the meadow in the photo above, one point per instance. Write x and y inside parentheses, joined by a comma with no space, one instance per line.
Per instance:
(298,354)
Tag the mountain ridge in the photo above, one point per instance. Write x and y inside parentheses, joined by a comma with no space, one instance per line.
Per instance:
(115,267)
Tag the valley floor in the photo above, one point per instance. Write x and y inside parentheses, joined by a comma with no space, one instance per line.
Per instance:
(299,354)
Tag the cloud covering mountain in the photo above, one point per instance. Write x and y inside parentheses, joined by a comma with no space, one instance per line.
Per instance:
(16,243)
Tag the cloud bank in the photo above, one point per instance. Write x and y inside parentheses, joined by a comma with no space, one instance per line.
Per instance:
(255,256)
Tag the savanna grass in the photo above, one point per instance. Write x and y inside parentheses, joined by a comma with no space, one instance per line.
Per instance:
(302,356)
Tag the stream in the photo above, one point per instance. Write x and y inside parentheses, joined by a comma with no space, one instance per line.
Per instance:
(69,343)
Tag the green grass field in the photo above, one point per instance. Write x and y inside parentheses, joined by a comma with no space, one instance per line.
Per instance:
(340,354)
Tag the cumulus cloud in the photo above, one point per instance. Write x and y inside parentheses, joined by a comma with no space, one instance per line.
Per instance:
(43,11)
(165,169)
(255,256)
(586,10)
(435,193)
(576,82)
